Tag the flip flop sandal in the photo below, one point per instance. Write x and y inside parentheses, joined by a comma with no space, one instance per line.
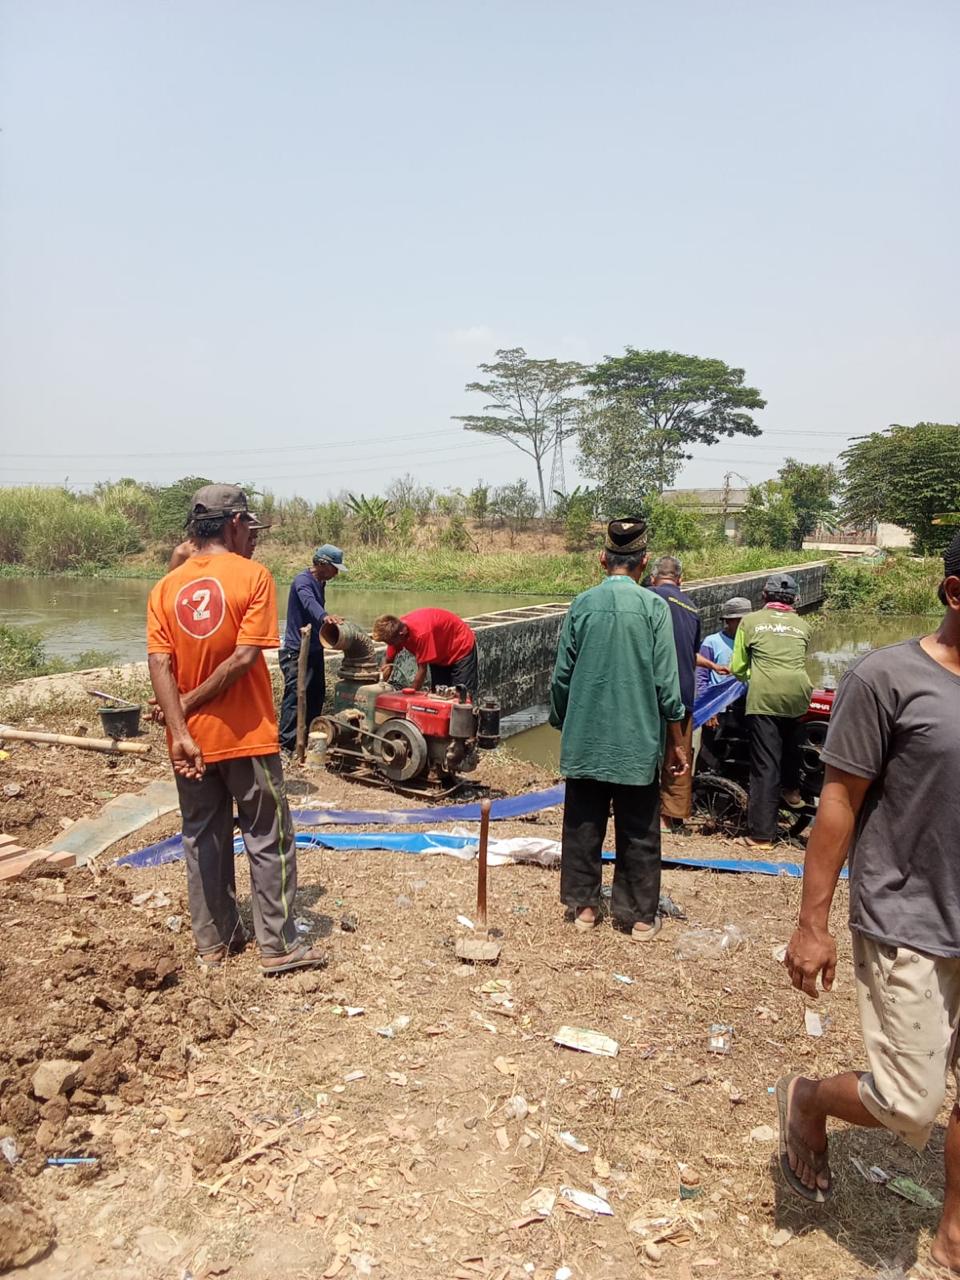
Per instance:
(647,931)
(302,958)
(584,926)
(759,846)
(817,1160)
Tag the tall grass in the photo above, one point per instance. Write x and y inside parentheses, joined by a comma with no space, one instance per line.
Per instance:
(49,530)
(897,584)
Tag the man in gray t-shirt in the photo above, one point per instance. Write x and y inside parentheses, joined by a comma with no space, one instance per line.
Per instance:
(890,797)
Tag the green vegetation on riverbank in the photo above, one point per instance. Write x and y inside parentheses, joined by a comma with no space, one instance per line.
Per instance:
(894,585)
(22,655)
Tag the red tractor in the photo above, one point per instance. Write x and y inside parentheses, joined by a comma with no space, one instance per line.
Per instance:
(722,774)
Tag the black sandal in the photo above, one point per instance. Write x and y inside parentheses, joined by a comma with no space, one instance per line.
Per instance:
(818,1161)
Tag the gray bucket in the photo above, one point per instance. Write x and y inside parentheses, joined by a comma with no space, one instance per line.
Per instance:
(120,722)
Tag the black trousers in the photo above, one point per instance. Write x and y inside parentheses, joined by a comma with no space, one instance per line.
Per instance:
(465,671)
(636,821)
(316,692)
(774,766)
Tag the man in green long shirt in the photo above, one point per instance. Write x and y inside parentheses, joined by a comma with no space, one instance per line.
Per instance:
(615,683)
(769,655)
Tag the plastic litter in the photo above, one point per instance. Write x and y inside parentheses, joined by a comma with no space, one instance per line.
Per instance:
(540,1201)
(720,1038)
(907,1189)
(174,923)
(709,944)
(672,910)
(466,922)
(574,1143)
(63,1161)
(516,1108)
(584,1200)
(813,1023)
(402,901)
(622,977)
(152,899)
(348,923)
(8,1149)
(587,1041)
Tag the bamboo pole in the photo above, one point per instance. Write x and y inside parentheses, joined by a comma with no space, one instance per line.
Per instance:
(482,863)
(303,659)
(68,740)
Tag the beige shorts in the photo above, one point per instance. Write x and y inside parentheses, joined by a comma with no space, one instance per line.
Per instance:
(909,1010)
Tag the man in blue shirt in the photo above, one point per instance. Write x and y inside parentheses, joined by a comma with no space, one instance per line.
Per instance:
(718,646)
(306,604)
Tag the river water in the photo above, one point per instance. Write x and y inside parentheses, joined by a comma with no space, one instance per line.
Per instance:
(837,642)
(75,615)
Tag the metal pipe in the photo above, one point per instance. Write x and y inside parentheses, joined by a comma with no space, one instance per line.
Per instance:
(358,649)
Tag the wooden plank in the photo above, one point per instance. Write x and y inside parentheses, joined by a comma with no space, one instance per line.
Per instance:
(16,865)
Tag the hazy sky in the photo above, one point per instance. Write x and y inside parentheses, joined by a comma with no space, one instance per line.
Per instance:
(272,240)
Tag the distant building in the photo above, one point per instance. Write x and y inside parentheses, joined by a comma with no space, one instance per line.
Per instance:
(724,504)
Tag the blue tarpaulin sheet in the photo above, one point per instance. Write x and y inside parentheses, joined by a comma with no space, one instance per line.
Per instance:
(508,807)
(716,698)
(418,842)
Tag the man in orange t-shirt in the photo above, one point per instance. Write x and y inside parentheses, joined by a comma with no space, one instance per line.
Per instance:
(208,622)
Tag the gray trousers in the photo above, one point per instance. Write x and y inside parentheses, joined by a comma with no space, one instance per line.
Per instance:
(206,807)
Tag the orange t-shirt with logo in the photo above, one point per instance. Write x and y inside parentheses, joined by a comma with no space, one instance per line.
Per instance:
(199,613)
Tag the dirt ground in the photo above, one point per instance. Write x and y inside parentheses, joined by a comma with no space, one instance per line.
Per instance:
(393,1115)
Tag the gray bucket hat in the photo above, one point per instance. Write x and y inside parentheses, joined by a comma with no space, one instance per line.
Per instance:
(736,607)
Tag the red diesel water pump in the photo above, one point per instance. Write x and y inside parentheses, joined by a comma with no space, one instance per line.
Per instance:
(408,736)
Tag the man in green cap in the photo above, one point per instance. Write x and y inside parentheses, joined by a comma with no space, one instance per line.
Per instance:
(615,683)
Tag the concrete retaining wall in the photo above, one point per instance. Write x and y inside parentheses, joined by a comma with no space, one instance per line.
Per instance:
(517,647)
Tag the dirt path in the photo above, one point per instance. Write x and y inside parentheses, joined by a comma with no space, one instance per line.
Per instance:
(257,1128)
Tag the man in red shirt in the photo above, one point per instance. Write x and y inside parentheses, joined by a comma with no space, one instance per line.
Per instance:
(440,642)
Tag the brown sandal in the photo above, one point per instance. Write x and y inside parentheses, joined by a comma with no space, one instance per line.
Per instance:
(817,1160)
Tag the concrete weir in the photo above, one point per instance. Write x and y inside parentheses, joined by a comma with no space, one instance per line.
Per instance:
(517,647)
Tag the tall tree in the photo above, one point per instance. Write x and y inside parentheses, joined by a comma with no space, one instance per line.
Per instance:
(618,451)
(529,404)
(907,476)
(810,487)
(679,400)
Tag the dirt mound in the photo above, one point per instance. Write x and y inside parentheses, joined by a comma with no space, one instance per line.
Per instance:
(25,1233)
(98,1002)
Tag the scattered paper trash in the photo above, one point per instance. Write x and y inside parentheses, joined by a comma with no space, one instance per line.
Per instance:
(563,1273)
(813,1023)
(540,1201)
(150,898)
(585,1200)
(622,977)
(574,1143)
(907,1189)
(780,953)
(466,922)
(8,1149)
(351,1076)
(587,1041)
(174,923)
(873,1174)
(720,1038)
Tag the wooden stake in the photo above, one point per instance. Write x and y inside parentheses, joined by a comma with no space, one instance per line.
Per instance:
(303,658)
(86,744)
(482,863)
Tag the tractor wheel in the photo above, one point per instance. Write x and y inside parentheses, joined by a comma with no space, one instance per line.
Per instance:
(403,753)
(721,803)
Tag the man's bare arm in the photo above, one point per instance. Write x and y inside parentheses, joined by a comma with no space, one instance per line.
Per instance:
(186,756)
(418,679)
(812,950)
(221,678)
